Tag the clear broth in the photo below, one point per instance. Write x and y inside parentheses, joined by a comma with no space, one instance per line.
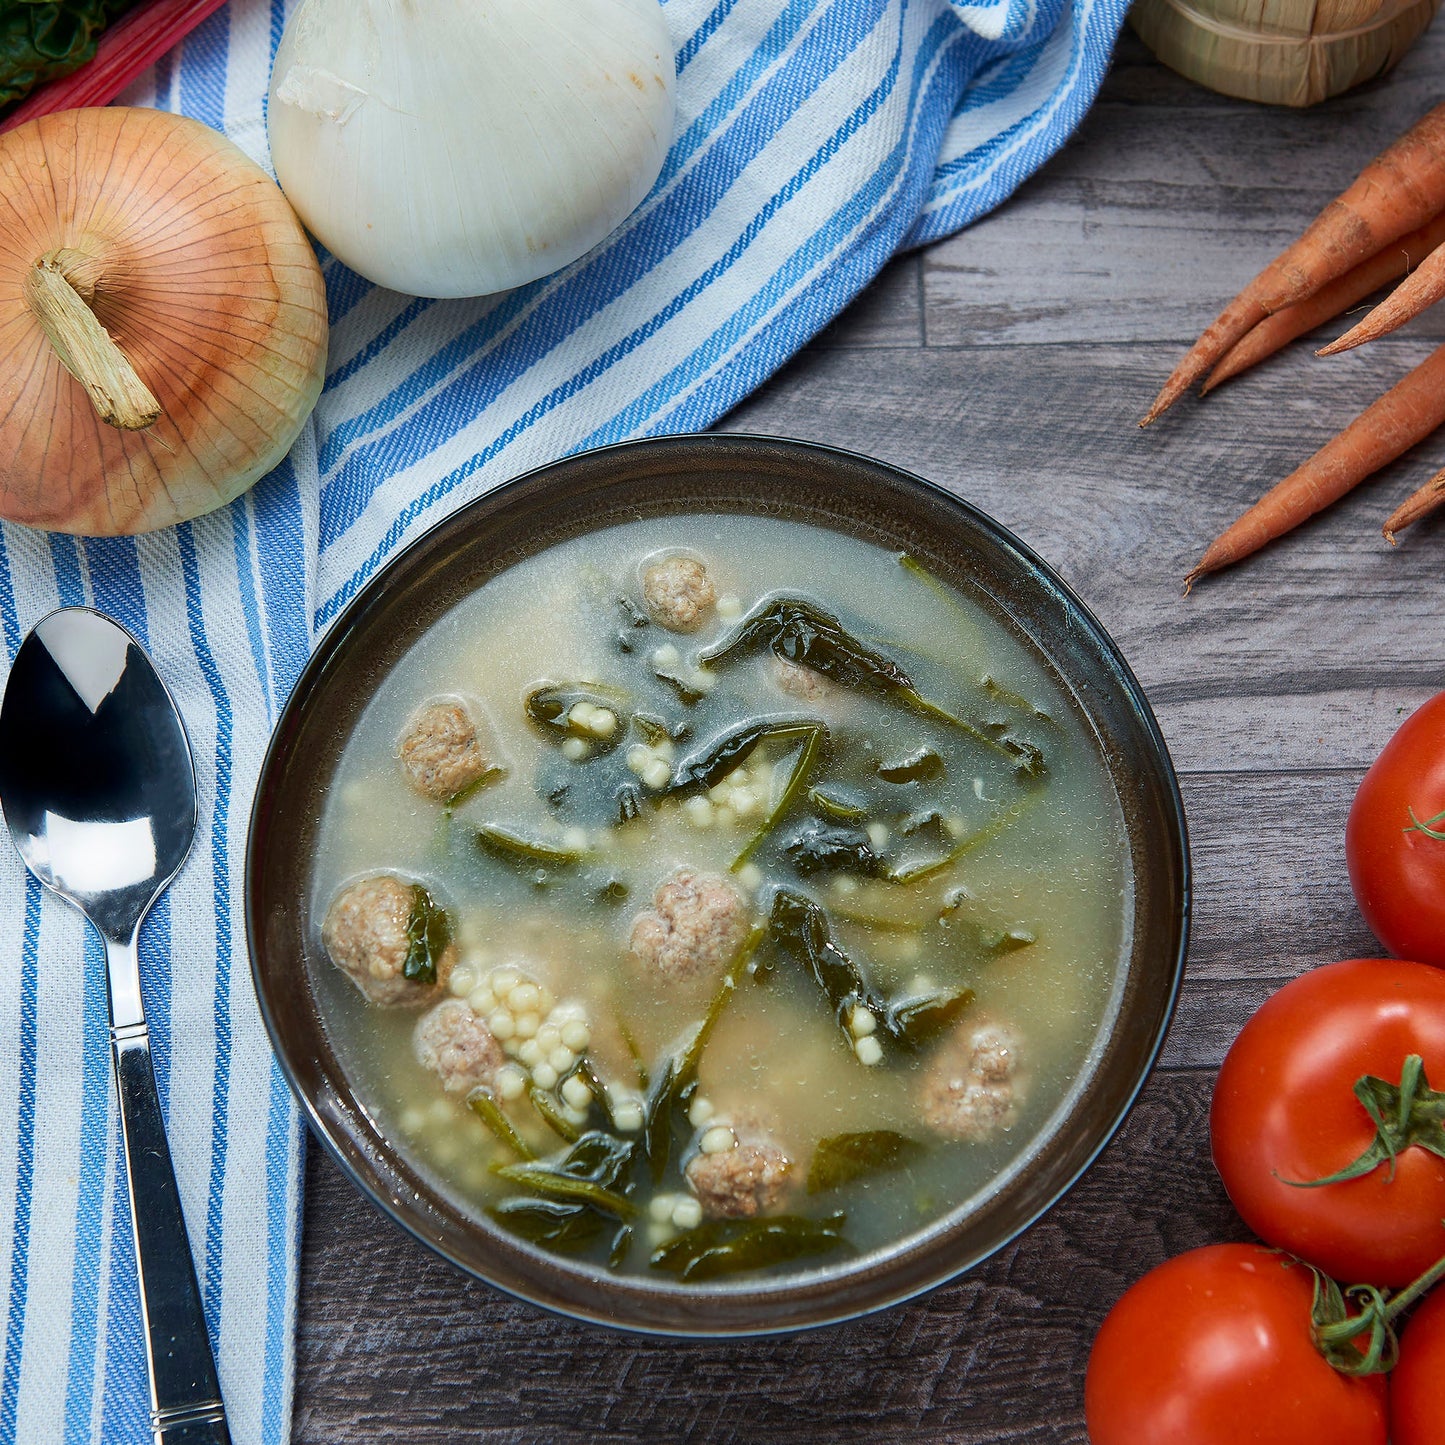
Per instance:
(1057,873)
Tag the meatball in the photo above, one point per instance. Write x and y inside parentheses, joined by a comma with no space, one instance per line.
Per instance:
(740,1182)
(365,934)
(972,1089)
(441,753)
(799,681)
(457,1047)
(696,924)
(678,593)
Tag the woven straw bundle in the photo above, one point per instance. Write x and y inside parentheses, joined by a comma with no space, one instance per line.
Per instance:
(1283,52)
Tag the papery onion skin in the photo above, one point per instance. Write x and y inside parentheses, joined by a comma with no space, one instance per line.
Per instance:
(206,281)
(465,147)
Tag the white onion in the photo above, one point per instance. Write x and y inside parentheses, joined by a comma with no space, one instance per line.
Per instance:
(463,147)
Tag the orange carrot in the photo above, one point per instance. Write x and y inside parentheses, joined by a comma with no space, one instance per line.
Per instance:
(1406,414)
(1424,287)
(1275,332)
(1421,504)
(1400,190)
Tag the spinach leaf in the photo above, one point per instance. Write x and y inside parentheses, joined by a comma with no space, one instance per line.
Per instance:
(549,1223)
(707,768)
(730,1246)
(800,929)
(801,632)
(594,1164)
(665,1113)
(513,848)
(918,765)
(817,848)
(550,707)
(482,1103)
(836,809)
(428,934)
(841,1158)
(552,1116)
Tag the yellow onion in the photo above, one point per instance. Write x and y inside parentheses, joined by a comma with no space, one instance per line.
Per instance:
(162,321)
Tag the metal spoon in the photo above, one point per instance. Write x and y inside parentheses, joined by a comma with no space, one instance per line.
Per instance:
(99,792)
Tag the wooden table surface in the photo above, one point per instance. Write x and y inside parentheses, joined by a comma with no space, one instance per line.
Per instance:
(1010,363)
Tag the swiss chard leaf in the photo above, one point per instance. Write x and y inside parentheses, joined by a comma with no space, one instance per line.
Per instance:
(428,934)
(730,1246)
(842,1158)
(41,41)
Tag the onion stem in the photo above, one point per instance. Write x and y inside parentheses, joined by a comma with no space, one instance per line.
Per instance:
(55,290)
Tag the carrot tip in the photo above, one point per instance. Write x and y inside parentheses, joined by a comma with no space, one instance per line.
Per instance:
(1389,536)
(1335,347)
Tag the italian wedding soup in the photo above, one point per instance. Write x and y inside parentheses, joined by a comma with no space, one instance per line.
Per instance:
(713,895)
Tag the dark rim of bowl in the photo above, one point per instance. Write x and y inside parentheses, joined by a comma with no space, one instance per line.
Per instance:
(922,1260)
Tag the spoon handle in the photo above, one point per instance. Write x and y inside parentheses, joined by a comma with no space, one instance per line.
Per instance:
(186,1406)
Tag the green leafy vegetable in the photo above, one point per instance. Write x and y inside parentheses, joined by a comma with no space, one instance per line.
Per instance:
(39,41)
(707,768)
(595,1163)
(550,1223)
(836,809)
(653,729)
(633,620)
(800,632)
(814,738)
(665,1113)
(552,1116)
(1009,698)
(601,1099)
(918,872)
(550,707)
(800,929)
(926,820)
(920,764)
(1008,940)
(512,848)
(841,1158)
(428,934)
(817,848)
(730,1246)
(621,1243)
(486,1108)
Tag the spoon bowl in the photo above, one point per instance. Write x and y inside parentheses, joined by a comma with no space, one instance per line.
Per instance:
(96,776)
(99,792)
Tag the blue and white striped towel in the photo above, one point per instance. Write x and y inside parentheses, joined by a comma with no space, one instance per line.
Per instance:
(815,139)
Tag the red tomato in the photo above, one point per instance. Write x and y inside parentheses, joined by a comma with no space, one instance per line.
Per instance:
(1214,1348)
(1396,868)
(1417,1385)
(1284,1109)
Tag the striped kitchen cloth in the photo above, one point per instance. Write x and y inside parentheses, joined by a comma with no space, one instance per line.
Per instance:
(815,138)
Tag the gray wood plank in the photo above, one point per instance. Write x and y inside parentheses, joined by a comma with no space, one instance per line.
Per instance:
(1164,204)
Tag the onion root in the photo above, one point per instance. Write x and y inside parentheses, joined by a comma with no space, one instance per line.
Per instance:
(57,289)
